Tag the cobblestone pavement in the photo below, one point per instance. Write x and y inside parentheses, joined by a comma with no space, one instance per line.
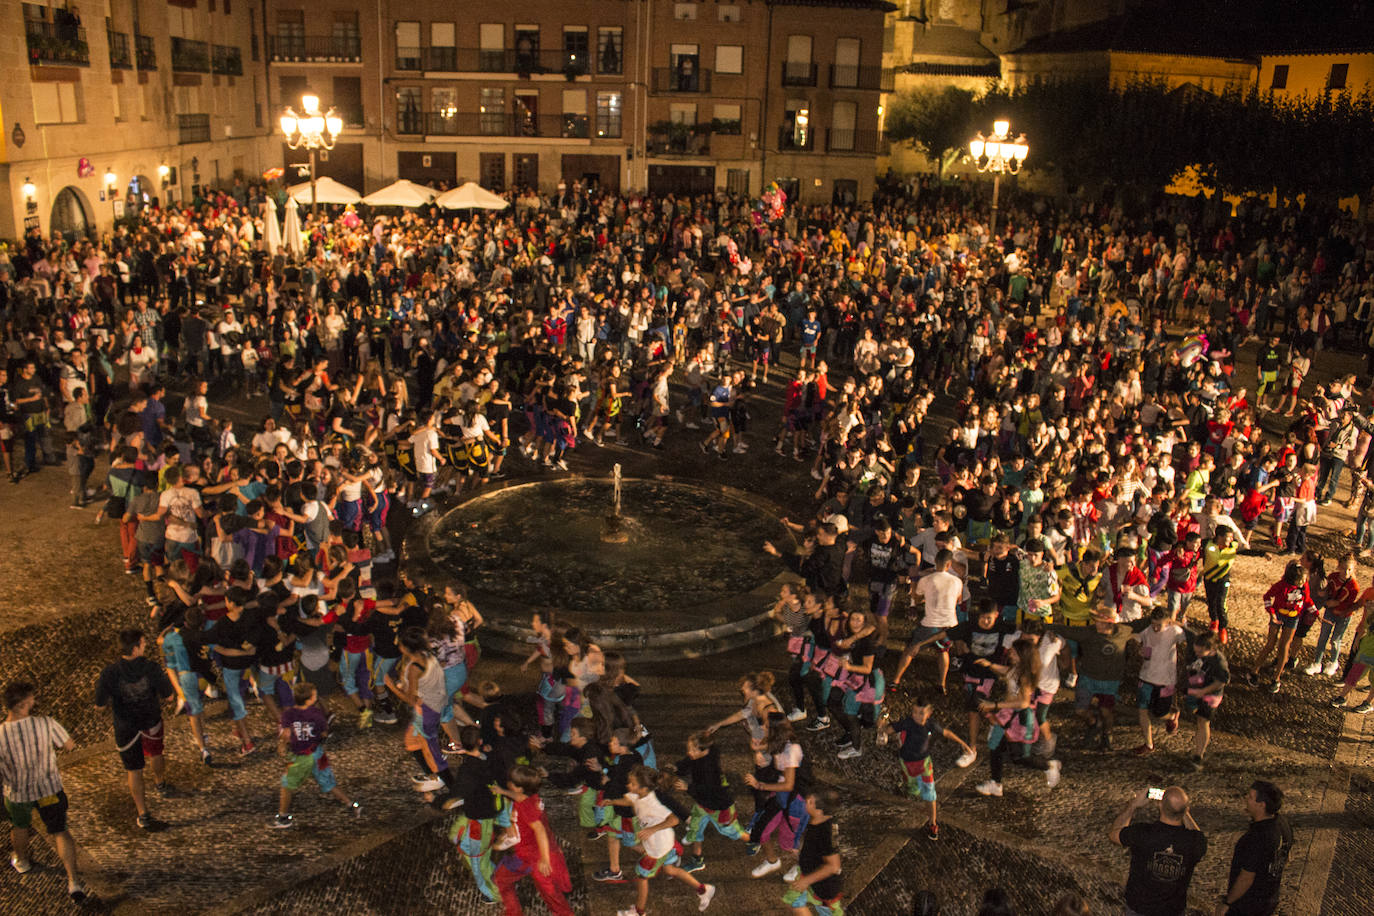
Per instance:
(64,596)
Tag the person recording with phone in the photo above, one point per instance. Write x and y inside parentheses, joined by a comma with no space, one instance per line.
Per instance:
(1163,853)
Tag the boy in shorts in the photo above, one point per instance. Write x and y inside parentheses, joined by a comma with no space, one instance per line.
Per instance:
(134,688)
(28,768)
(301,741)
(914,734)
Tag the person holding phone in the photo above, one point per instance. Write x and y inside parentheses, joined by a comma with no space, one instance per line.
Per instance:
(1163,854)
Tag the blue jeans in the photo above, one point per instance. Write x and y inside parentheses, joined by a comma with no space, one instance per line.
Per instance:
(233,688)
(1333,630)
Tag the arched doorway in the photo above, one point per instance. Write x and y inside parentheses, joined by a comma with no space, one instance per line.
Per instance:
(139,196)
(70,217)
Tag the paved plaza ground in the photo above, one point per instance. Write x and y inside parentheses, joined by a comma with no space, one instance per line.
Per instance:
(64,596)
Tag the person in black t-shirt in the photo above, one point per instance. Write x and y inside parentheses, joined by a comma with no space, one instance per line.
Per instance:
(981,638)
(1004,576)
(713,805)
(474,831)
(1163,854)
(134,689)
(1260,856)
(815,880)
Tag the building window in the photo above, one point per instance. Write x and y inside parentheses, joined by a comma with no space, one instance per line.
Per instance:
(725,119)
(253,33)
(493,169)
(1280,80)
(408,46)
(346,42)
(348,99)
(575,113)
(728,12)
(1336,80)
(845,73)
(55,103)
(410,115)
(526,48)
(610,44)
(684,12)
(443,51)
(842,119)
(491,56)
(576,50)
(492,111)
(797,68)
(291,34)
(729,58)
(686,67)
(608,114)
(527,170)
(292,88)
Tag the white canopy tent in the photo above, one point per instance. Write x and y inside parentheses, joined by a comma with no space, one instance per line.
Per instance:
(469,196)
(327,191)
(271,227)
(401,193)
(291,234)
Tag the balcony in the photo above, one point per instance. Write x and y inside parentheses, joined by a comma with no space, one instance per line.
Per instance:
(62,43)
(500,60)
(144,54)
(680,79)
(316,49)
(227,61)
(873,79)
(121,58)
(667,139)
(794,140)
(492,124)
(193,128)
(798,73)
(190,56)
(848,140)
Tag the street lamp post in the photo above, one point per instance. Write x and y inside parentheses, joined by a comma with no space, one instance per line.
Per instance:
(311,130)
(998,154)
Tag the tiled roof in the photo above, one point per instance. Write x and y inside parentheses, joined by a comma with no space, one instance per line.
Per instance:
(878,5)
(993,69)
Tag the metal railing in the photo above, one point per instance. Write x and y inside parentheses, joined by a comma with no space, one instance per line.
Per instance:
(681,140)
(145,53)
(345,49)
(193,128)
(680,79)
(492,124)
(504,60)
(798,73)
(121,58)
(56,43)
(409,58)
(792,140)
(846,76)
(227,60)
(190,56)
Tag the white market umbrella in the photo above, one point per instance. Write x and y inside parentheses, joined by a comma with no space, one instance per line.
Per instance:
(401,193)
(469,196)
(292,231)
(327,191)
(271,227)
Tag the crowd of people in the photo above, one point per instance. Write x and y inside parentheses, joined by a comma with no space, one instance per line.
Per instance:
(1111,458)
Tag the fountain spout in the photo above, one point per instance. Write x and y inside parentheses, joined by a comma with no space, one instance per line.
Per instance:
(612,531)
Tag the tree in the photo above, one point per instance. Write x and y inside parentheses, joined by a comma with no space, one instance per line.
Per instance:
(939,122)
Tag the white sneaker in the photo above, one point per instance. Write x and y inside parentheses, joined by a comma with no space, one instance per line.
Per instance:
(630,912)
(1070,680)
(1331,669)
(990,787)
(792,874)
(796,715)
(765,868)
(966,759)
(705,897)
(849,753)
(1052,774)
(1314,668)
(23,866)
